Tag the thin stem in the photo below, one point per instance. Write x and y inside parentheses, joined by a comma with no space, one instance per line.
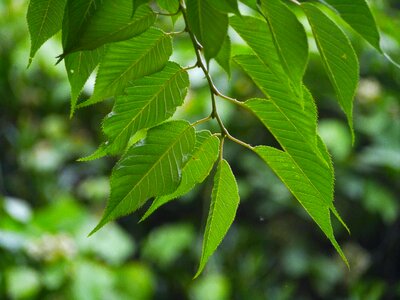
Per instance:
(213,89)
(221,148)
(201,121)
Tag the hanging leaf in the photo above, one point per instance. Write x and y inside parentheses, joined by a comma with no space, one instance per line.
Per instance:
(338,56)
(130,60)
(289,38)
(303,188)
(149,169)
(80,66)
(226,6)
(44,20)
(224,56)
(208,24)
(91,24)
(146,102)
(197,168)
(224,203)
(171,6)
(256,34)
(358,15)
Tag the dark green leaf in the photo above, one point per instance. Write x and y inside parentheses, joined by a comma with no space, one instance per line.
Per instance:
(338,56)
(91,24)
(149,169)
(224,203)
(130,60)
(290,40)
(79,66)
(146,102)
(171,6)
(44,20)
(224,56)
(226,6)
(196,169)
(358,15)
(208,24)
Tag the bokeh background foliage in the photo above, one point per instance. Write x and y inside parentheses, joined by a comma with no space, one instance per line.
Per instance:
(49,202)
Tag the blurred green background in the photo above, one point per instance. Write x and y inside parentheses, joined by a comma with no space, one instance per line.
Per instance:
(49,202)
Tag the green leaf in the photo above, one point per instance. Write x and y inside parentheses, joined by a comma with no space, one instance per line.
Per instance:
(150,168)
(303,188)
(44,20)
(224,56)
(148,101)
(79,67)
(284,113)
(338,56)
(130,60)
(208,24)
(226,6)
(91,24)
(250,3)
(171,6)
(290,40)
(224,203)
(137,3)
(256,33)
(196,169)
(358,15)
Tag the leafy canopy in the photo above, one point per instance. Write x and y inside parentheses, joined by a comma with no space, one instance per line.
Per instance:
(123,41)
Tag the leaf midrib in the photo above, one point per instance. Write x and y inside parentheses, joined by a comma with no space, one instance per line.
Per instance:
(147,104)
(156,163)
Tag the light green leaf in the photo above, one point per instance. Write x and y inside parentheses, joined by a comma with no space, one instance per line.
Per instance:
(224,203)
(146,102)
(290,40)
(170,6)
(130,60)
(137,3)
(226,6)
(285,114)
(256,33)
(358,15)
(224,56)
(303,188)
(208,24)
(79,66)
(196,169)
(338,56)
(91,24)
(44,20)
(150,168)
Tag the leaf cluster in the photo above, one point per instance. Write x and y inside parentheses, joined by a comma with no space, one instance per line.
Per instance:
(163,159)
